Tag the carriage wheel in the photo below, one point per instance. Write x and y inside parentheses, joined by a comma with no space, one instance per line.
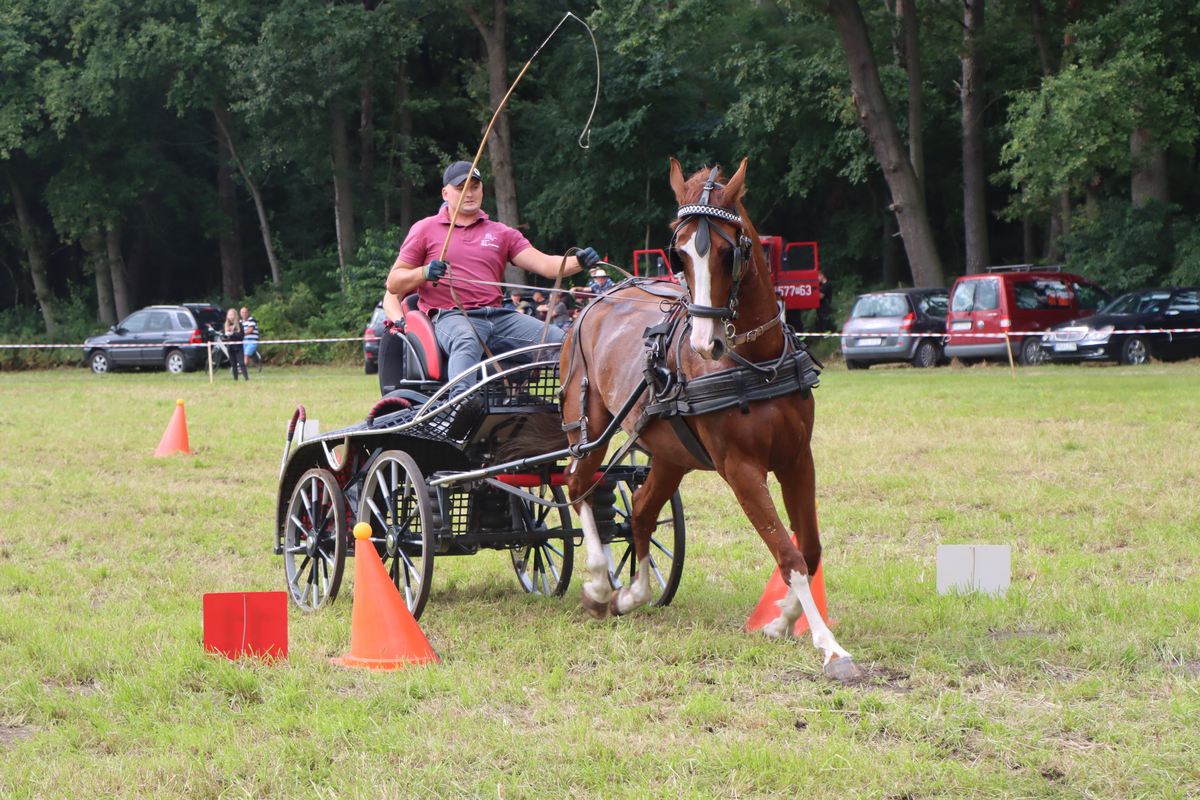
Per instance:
(543,567)
(666,542)
(395,501)
(314,540)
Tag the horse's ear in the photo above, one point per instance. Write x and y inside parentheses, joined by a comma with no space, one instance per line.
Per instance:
(677,181)
(735,187)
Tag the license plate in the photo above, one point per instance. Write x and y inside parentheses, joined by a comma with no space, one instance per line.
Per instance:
(1065,347)
(870,342)
(961,326)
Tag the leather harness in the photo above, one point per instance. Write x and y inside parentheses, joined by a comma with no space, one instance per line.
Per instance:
(672,395)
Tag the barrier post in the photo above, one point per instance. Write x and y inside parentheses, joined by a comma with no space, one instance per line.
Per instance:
(1012,367)
(208,345)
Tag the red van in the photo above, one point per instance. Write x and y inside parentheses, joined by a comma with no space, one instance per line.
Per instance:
(1018,301)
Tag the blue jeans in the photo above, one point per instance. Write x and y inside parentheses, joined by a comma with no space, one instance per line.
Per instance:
(503,329)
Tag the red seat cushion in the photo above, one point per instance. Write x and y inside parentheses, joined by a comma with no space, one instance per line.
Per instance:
(418,329)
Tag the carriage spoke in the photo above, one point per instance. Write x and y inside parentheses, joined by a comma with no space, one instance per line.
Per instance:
(624,560)
(656,543)
(658,576)
(376,513)
(304,498)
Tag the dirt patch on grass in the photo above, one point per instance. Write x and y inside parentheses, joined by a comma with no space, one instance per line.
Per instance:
(76,688)
(1190,669)
(874,676)
(11,734)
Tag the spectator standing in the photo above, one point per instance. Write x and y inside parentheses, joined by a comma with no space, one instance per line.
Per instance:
(233,334)
(825,321)
(250,342)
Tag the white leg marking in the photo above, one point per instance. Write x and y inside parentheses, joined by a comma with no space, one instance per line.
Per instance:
(637,594)
(821,635)
(704,331)
(789,611)
(597,586)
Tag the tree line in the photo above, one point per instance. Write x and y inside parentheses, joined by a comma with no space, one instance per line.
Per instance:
(171,150)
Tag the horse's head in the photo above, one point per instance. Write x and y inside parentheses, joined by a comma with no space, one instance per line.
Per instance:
(711,238)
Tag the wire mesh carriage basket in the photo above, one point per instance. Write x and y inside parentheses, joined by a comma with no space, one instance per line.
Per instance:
(432,487)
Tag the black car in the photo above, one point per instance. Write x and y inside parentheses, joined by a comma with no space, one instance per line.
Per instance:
(882,325)
(168,337)
(371,336)
(1116,332)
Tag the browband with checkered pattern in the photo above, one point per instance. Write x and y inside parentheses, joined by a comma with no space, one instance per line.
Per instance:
(705,210)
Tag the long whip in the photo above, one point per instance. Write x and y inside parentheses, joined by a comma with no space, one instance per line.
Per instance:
(584,143)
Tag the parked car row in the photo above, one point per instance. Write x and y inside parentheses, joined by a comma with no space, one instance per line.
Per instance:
(1042,314)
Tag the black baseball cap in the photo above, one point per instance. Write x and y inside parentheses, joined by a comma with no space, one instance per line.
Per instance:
(456,174)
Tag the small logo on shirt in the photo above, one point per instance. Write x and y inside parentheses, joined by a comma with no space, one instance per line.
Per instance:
(490,240)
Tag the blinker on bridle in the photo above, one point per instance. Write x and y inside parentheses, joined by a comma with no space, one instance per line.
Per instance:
(702,212)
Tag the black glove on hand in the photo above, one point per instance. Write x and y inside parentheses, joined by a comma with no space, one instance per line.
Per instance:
(588,258)
(435,270)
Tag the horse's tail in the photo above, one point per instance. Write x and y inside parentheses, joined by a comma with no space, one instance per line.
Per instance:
(541,433)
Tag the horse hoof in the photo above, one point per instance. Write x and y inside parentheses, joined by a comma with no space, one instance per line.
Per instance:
(596,608)
(776,629)
(613,607)
(844,670)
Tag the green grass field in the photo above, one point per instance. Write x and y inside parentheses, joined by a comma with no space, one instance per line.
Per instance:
(1083,682)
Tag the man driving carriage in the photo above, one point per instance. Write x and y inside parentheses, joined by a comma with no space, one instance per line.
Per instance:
(479,250)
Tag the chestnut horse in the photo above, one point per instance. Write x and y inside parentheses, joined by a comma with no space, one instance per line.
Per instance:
(733,317)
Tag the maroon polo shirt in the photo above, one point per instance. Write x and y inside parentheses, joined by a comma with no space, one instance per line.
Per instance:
(477,251)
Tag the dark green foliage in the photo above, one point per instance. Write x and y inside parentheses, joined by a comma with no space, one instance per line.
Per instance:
(1130,248)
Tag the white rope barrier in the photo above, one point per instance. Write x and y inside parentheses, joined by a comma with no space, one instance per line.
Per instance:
(805,334)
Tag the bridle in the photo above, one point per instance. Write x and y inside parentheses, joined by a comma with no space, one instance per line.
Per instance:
(703,212)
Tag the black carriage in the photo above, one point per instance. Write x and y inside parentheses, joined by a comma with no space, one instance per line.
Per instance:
(433,478)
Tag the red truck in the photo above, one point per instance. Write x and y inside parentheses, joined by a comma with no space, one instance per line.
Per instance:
(794,267)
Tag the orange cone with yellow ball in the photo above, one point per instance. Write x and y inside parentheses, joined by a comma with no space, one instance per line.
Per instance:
(174,438)
(383,632)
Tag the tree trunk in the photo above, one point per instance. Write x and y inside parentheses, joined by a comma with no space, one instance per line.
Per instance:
(891,257)
(504,182)
(366,134)
(1028,240)
(1055,227)
(906,10)
(31,242)
(1149,180)
(97,255)
(264,224)
(366,120)
(229,240)
(1092,198)
(343,191)
(116,271)
(135,265)
(974,172)
(876,119)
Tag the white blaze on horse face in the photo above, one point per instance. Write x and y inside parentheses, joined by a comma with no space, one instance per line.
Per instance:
(704,331)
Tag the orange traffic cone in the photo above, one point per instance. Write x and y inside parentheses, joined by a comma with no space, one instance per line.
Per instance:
(174,438)
(383,633)
(767,610)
